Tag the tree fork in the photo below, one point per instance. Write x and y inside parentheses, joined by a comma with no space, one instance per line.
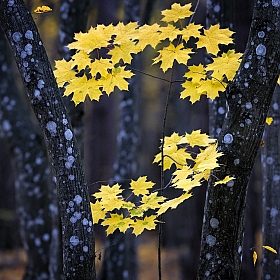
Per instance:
(44,96)
(248,97)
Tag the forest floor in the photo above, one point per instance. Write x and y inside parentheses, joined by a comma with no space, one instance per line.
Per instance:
(12,262)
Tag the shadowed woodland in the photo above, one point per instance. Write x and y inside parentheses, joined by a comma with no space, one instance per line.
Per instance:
(31,233)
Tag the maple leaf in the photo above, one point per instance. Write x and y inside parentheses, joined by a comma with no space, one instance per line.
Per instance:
(211,88)
(191,30)
(64,72)
(177,12)
(148,35)
(224,181)
(226,65)
(270,249)
(116,79)
(196,138)
(148,223)
(151,201)
(101,66)
(213,37)
(269,120)
(255,256)
(116,221)
(111,203)
(170,31)
(81,87)
(173,203)
(168,54)
(125,32)
(181,174)
(141,185)
(108,191)
(87,42)
(196,73)
(81,60)
(187,184)
(97,212)
(191,90)
(207,159)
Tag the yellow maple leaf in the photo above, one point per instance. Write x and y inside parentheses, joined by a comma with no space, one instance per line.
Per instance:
(97,212)
(148,35)
(148,223)
(108,191)
(168,54)
(211,88)
(191,90)
(151,201)
(42,9)
(81,60)
(255,256)
(125,32)
(81,87)
(196,138)
(101,66)
(177,12)
(116,79)
(187,184)
(270,249)
(207,159)
(170,31)
(87,42)
(63,72)
(191,30)
(111,203)
(213,37)
(226,65)
(141,185)
(196,73)
(116,221)
(181,174)
(173,203)
(224,181)
(269,120)
(278,81)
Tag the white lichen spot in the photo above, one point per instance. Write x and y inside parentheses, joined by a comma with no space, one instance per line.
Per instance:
(38,161)
(25,64)
(239,249)
(71,177)
(256,100)
(236,161)
(11,3)
(230,183)
(261,50)
(246,84)
(246,65)
(71,203)
(37,94)
(28,49)
(17,36)
(248,105)
(217,8)
(29,35)
(46,237)
(74,240)
(69,162)
(207,273)
(69,150)
(73,219)
(273,212)
(208,256)
(64,121)
(248,121)
(269,160)
(241,125)
(37,241)
(228,138)
(78,199)
(276,178)
(221,110)
(68,134)
(51,127)
(85,249)
(85,221)
(261,34)
(211,240)
(275,3)
(214,223)
(40,84)
(267,277)
(6,126)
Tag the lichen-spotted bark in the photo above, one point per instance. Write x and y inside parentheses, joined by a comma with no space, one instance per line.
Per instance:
(45,99)
(248,98)
(271,191)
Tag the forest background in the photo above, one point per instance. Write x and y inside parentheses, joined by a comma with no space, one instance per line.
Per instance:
(100,139)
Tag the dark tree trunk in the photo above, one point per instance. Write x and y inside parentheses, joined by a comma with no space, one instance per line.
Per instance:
(44,96)
(248,98)
(33,192)
(120,254)
(271,191)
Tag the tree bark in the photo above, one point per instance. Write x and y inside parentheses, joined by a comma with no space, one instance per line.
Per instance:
(271,192)
(248,98)
(44,96)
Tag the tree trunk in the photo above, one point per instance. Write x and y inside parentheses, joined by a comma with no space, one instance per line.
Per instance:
(248,98)
(44,96)
(271,192)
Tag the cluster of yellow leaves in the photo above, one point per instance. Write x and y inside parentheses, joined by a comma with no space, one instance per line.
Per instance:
(42,9)
(145,204)
(90,73)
